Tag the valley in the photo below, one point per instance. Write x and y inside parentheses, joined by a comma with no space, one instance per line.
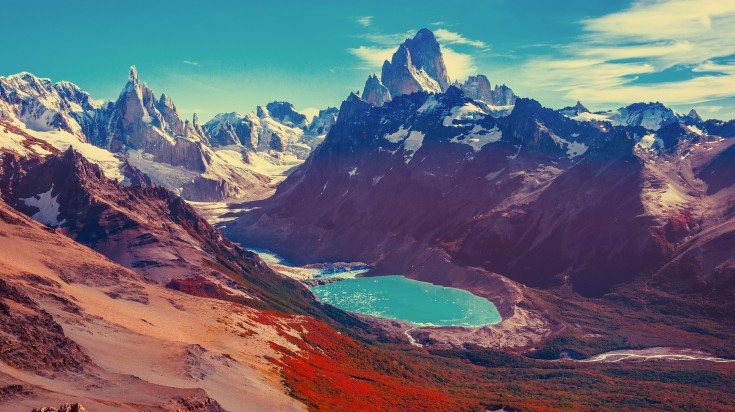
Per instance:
(433,243)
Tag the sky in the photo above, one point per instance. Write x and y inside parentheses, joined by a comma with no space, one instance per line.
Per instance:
(223,56)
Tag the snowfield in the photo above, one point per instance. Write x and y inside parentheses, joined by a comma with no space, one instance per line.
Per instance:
(479,137)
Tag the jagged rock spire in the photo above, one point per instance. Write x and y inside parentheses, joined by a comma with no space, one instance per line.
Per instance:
(417,65)
(375,91)
(581,108)
(133,75)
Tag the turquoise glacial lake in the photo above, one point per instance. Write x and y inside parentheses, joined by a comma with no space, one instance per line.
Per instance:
(419,303)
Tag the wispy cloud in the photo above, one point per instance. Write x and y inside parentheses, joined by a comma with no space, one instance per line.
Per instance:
(372,57)
(606,64)
(365,21)
(388,39)
(449,37)
(191,62)
(459,65)
(309,112)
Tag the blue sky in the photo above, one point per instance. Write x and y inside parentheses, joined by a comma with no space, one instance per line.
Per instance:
(219,56)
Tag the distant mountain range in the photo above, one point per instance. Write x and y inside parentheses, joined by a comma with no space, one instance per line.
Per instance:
(230,157)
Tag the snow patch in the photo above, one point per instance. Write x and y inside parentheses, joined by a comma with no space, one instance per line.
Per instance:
(649,141)
(429,105)
(110,164)
(652,117)
(425,81)
(696,130)
(412,144)
(396,136)
(513,156)
(162,174)
(593,117)
(48,212)
(575,149)
(479,137)
(493,175)
(13,142)
(469,111)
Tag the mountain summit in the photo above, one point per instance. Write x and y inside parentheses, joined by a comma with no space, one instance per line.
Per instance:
(417,65)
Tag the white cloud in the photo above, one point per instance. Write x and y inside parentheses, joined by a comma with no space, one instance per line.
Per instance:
(650,37)
(388,39)
(662,20)
(459,65)
(449,37)
(309,112)
(190,63)
(365,21)
(373,57)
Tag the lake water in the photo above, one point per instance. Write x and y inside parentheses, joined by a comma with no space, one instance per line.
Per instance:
(419,303)
(392,297)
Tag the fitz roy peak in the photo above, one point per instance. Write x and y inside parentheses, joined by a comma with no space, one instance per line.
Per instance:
(417,65)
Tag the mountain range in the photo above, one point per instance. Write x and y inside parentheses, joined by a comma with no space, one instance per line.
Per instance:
(442,188)
(230,157)
(125,282)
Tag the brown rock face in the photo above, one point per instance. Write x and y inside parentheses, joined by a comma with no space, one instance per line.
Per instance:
(479,88)
(67,407)
(30,339)
(375,92)
(426,54)
(186,153)
(148,229)
(417,65)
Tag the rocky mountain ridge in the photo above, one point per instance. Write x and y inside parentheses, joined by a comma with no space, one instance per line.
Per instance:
(147,132)
(423,183)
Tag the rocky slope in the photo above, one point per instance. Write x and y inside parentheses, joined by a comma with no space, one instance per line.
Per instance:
(147,229)
(78,328)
